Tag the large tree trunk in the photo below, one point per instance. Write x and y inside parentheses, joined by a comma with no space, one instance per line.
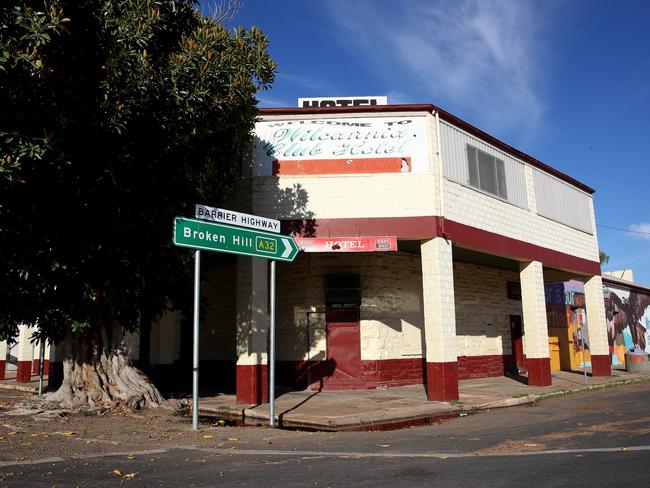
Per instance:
(97,371)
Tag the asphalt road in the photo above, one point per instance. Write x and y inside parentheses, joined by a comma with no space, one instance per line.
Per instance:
(595,439)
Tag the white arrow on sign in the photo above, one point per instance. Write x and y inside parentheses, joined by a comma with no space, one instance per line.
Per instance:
(287,247)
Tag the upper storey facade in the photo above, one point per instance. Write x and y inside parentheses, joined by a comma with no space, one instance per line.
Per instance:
(419,164)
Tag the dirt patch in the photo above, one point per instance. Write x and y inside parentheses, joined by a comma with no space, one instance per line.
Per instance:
(28,433)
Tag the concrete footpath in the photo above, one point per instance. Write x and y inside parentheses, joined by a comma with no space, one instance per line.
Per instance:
(390,408)
(387,408)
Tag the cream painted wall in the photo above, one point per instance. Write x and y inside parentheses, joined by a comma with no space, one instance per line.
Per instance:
(476,209)
(357,195)
(391,307)
(481,297)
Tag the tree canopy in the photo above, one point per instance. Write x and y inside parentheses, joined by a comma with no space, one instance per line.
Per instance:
(117,115)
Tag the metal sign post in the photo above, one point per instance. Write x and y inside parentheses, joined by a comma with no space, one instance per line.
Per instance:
(584,359)
(251,241)
(41,368)
(195,341)
(272,349)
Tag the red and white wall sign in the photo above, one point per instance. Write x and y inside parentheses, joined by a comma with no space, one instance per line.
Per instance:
(346,244)
(329,146)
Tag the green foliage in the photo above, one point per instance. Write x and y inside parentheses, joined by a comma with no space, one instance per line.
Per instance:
(117,116)
(604,258)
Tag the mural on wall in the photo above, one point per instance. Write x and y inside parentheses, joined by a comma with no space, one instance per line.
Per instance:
(567,324)
(628,322)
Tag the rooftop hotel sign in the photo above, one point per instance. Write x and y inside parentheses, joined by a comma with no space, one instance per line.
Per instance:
(310,145)
(341,101)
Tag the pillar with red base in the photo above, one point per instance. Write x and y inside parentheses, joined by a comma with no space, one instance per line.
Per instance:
(439,320)
(3,359)
(252,330)
(597,325)
(25,354)
(533,303)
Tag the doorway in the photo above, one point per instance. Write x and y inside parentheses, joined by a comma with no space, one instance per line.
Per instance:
(516,335)
(343,337)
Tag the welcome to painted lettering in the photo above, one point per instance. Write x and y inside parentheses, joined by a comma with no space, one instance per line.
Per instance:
(387,138)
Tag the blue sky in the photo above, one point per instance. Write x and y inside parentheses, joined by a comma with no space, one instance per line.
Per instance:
(565,81)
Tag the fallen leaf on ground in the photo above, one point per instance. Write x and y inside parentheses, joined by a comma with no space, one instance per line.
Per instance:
(208,436)
(623,449)
(117,472)
(384,445)
(129,475)
(69,434)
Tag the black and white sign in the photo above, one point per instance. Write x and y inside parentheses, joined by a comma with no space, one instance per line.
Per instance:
(341,102)
(237,218)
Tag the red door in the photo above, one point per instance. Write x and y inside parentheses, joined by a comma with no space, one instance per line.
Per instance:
(516,334)
(343,349)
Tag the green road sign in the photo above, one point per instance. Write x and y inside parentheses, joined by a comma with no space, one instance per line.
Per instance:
(210,236)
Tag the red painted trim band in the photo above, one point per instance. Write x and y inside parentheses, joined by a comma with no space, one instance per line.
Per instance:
(23,371)
(252,384)
(401,227)
(507,246)
(539,371)
(340,166)
(601,365)
(415,228)
(442,381)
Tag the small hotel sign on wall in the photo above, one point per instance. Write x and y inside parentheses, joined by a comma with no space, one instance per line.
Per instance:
(346,244)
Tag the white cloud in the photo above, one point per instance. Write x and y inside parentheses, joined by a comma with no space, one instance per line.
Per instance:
(642,227)
(273,102)
(482,57)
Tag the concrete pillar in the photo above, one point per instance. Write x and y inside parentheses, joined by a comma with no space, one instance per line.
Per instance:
(36,362)
(46,359)
(597,325)
(252,330)
(538,362)
(25,354)
(3,359)
(439,320)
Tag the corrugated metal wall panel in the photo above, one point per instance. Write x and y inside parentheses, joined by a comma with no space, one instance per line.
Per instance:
(561,202)
(454,154)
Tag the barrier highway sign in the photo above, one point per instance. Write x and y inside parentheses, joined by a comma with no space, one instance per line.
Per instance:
(211,236)
(236,218)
